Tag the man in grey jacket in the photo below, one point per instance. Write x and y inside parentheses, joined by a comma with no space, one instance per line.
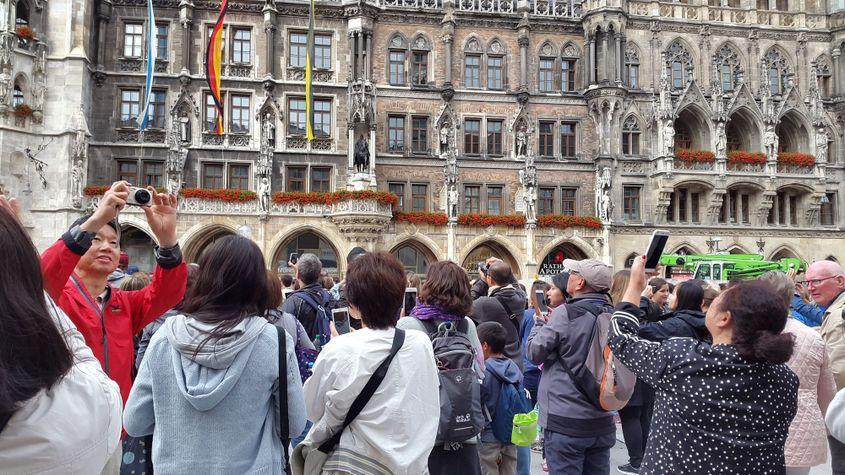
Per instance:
(578,434)
(505,304)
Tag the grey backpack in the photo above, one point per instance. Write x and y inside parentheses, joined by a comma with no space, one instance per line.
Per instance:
(461,414)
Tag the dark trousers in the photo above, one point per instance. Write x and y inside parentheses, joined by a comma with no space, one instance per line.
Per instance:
(837,456)
(635,425)
(568,455)
(463,460)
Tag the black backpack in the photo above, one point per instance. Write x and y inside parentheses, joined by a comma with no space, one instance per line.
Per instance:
(461,413)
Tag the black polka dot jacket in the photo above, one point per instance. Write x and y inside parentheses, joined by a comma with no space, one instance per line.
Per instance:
(714,411)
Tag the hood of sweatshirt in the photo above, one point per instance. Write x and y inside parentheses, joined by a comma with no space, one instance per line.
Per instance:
(695,320)
(504,369)
(206,376)
(510,296)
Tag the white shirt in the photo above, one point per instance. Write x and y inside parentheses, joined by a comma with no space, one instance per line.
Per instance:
(398,425)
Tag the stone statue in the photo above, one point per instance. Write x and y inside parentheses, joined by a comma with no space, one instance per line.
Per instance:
(268,132)
(668,138)
(530,198)
(5,88)
(606,206)
(521,141)
(821,146)
(447,139)
(38,91)
(766,96)
(264,194)
(76,180)
(80,143)
(174,184)
(721,141)
(602,191)
(770,142)
(184,127)
(362,155)
(452,201)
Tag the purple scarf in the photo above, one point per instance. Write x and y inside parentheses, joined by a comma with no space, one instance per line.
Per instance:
(428,312)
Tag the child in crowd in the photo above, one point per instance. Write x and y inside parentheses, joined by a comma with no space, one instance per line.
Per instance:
(497,457)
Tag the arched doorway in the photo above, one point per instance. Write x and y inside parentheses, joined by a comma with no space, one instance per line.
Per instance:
(311,243)
(195,248)
(737,250)
(552,262)
(140,248)
(742,132)
(691,130)
(783,254)
(484,251)
(793,135)
(414,257)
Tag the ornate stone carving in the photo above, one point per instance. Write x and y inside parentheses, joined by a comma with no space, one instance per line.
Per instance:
(603,204)
(154,136)
(239,140)
(296,142)
(362,155)
(212,139)
(239,70)
(322,143)
(130,65)
(721,140)
(295,74)
(127,136)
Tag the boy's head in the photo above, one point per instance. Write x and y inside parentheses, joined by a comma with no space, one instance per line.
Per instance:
(493,338)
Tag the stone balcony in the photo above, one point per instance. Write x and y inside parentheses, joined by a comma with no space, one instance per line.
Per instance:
(706,13)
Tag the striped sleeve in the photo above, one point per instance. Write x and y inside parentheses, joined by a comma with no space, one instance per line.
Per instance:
(647,359)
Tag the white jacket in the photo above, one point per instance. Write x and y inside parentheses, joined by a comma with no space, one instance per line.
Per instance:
(835,419)
(74,427)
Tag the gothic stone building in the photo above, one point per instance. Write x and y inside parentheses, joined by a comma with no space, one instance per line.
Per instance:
(721,118)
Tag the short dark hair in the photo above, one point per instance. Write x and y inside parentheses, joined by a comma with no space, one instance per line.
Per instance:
(537,285)
(308,268)
(274,291)
(447,287)
(375,284)
(500,272)
(656,283)
(113,223)
(287,280)
(355,253)
(689,295)
(759,317)
(494,334)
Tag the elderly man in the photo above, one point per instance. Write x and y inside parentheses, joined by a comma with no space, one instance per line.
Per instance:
(826,284)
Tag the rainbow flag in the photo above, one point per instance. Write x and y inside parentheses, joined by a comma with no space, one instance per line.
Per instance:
(309,64)
(144,116)
(214,63)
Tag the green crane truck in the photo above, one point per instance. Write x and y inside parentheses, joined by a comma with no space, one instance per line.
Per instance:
(727,267)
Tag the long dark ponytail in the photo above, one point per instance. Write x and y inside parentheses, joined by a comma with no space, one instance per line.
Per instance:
(33,353)
(759,317)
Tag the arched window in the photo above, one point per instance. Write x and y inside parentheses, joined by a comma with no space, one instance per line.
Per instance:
(631,136)
(413,259)
(546,68)
(679,64)
(420,49)
(822,68)
(683,137)
(472,64)
(629,261)
(496,66)
(568,62)
(397,56)
(777,70)
(729,67)
(17,96)
(632,66)
(21,14)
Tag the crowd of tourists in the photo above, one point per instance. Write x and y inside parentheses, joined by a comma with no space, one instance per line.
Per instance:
(222,366)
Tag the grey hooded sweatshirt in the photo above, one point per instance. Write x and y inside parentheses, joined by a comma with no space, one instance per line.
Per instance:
(215,411)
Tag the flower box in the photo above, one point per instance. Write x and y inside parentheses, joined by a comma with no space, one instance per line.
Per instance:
(701,156)
(435,219)
(25,32)
(741,156)
(484,220)
(96,190)
(796,159)
(226,195)
(564,221)
(23,110)
(334,197)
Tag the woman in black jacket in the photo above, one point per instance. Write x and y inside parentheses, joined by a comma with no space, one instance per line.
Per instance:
(685,319)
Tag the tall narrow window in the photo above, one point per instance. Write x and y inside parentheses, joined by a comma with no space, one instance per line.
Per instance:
(130,107)
(472,136)
(494,137)
(494,72)
(212,176)
(567,75)
(240,114)
(242,45)
(631,203)
(472,71)
(154,174)
(298,48)
(677,75)
(670,210)
(296,116)
(632,67)
(127,171)
(777,70)
(239,176)
(695,204)
(827,211)
(398,189)
(682,205)
(321,179)
(133,40)
(567,139)
(678,60)
(547,139)
(472,199)
(296,179)
(546,201)
(745,201)
(395,133)
(161,41)
(494,200)
(547,74)
(17,96)
(567,201)
(210,113)
(419,197)
(793,210)
(157,111)
(323,51)
(419,134)
(323,117)
(396,68)
(781,207)
(419,68)
(631,137)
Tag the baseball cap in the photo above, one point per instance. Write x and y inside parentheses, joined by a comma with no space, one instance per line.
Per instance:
(596,273)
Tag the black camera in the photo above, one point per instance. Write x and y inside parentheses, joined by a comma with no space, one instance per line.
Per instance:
(139,197)
(482,267)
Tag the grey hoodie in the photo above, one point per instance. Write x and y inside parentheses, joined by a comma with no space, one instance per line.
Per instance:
(213,409)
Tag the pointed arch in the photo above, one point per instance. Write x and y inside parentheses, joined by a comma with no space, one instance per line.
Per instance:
(632,133)
(693,128)
(794,131)
(686,248)
(473,44)
(737,249)
(570,50)
(679,62)
(547,49)
(414,255)
(729,66)
(496,46)
(783,251)
(497,246)
(203,235)
(777,66)
(823,67)
(398,41)
(743,130)
(573,246)
(632,65)
(421,42)
(301,239)
(138,242)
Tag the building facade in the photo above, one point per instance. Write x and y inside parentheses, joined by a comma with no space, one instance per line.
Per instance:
(721,121)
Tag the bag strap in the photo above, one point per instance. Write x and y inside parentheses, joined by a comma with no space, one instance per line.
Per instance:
(429,326)
(512,316)
(284,423)
(4,419)
(575,380)
(366,393)
(307,298)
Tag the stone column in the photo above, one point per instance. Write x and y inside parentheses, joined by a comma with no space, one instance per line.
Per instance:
(373,155)
(270,51)
(618,58)
(187,27)
(523,61)
(593,59)
(603,62)
(368,59)
(350,153)
(447,68)
(451,252)
(838,80)
(529,243)
(103,17)
(359,50)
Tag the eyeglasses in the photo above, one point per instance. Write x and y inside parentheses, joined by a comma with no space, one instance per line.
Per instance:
(815,282)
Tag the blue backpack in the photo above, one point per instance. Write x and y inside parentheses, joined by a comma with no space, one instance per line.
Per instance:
(324,332)
(512,401)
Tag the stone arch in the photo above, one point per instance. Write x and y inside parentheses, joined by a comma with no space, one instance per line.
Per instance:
(783,251)
(496,46)
(473,44)
(139,243)
(430,245)
(23,14)
(632,135)
(730,64)
(570,50)
(737,249)
(743,130)
(397,41)
(632,65)
(201,236)
(685,248)
(794,132)
(414,255)
(421,42)
(278,249)
(680,54)
(570,248)
(693,128)
(629,261)
(801,187)
(547,48)
(499,246)
(744,183)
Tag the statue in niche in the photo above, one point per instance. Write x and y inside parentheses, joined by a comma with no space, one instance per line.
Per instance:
(602,191)
(721,141)
(184,127)
(521,141)
(362,155)
(174,184)
(452,201)
(268,132)
(770,142)
(821,145)
(264,194)
(76,180)
(530,198)
(447,140)
(668,138)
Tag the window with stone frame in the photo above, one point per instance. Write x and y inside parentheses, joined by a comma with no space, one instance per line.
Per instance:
(17,95)
(133,40)
(241,45)
(162,30)
(239,176)
(683,137)
(127,170)
(679,64)
(420,49)
(322,117)
(158,110)
(568,201)
(495,200)
(631,136)
(210,112)
(223,46)
(823,77)
(546,78)
(729,67)
(419,134)
(494,137)
(295,178)
(212,176)
(396,65)
(239,123)
(321,179)
(130,107)
(631,203)
(568,139)
(472,71)
(546,137)
(777,70)
(632,66)
(472,136)
(472,199)
(298,49)
(545,201)
(569,59)
(296,116)
(398,189)
(419,197)
(395,133)
(323,51)
(827,210)
(495,66)
(153,174)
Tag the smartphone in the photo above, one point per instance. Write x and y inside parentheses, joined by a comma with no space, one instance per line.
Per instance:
(540,298)
(286,293)
(482,267)
(340,317)
(293,258)
(655,249)
(410,300)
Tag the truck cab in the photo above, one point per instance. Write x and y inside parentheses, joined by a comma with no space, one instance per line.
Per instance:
(710,270)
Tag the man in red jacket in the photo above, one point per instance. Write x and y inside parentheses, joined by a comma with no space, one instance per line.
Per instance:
(76,271)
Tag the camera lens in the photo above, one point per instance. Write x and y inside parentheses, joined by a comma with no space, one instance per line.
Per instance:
(142,197)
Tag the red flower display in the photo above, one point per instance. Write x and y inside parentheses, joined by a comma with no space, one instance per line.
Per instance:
(435,219)
(484,220)
(688,155)
(227,195)
(741,156)
(334,197)
(797,159)
(23,110)
(25,32)
(96,190)
(562,222)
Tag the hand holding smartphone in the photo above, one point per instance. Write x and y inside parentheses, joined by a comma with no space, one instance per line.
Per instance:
(655,249)
(340,317)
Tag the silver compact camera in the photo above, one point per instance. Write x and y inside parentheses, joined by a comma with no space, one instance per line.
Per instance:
(139,197)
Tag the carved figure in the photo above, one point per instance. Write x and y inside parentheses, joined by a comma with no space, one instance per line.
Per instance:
(530,198)
(721,141)
(76,179)
(268,132)
(264,194)
(606,206)
(452,201)
(362,155)
(668,138)
(5,88)
(38,91)
(446,138)
(821,146)
(174,184)
(521,142)
(184,127)
(770,142)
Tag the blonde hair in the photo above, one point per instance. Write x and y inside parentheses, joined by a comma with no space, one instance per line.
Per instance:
(136,281)
(620,283)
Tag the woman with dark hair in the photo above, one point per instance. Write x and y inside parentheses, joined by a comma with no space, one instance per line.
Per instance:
(208,390)
(445,299)
(655,298)
(685,318)
(556,293)
(723,407)
(55,400)
(395,430)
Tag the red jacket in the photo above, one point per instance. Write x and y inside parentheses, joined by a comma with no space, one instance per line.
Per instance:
(126,314)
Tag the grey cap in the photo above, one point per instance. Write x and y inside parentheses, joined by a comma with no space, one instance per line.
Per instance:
(595,272)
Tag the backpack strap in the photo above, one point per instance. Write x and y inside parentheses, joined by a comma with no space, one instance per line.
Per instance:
(366,393)
(570,373)
(307,298)
(512,316)
(430,327)
(284,423)
(4,419)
